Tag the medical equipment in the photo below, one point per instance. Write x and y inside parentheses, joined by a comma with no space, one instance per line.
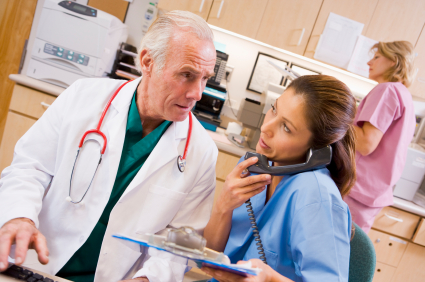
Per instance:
(209,108)
(181,161)
(315,159)
(150,15)
(74,41)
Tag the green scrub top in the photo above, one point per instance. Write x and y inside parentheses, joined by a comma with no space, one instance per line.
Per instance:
(82,265)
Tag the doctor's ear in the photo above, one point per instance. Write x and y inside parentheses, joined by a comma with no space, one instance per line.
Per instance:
(146,62)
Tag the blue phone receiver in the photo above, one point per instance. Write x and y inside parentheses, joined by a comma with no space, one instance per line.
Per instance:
(315,159)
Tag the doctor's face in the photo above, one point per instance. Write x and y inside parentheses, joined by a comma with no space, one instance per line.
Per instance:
(285,137)
(174,90)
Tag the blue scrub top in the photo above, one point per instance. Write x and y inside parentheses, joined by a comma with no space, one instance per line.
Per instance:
(305,228)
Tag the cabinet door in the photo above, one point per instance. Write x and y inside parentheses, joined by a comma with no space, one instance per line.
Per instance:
(412,265)
(389,249)
(287,24)
(359,10)
(30,102)
(419,237)
(397,20)
(16,126)
(240,16)
(397,222)
(199,7)
(383,272)
(225,164)
(418,86)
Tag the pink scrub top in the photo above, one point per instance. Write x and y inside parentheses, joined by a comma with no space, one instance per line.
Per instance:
(389,108)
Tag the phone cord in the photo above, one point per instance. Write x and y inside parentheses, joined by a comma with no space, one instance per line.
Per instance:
(255,231)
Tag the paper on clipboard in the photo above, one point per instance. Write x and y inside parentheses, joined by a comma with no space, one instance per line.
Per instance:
(361,55)
(211,258)
(337,41)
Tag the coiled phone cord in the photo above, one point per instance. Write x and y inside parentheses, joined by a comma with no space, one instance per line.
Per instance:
(255,231)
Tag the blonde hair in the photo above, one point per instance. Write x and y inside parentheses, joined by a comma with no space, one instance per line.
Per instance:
(401,53)
(156,40)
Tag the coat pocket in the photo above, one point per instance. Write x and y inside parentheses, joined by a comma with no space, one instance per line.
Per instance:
(159,208)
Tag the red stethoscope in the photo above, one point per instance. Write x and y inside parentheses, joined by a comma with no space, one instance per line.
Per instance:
(181,161)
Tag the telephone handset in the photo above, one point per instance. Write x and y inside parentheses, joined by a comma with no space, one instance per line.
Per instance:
(315,159)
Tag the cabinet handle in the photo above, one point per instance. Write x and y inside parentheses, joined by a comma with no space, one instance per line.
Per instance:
(45,104)
(393,218)
(301,37)
(202,6)
(219,9)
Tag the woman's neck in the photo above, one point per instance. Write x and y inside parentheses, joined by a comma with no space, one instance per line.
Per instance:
(272,186)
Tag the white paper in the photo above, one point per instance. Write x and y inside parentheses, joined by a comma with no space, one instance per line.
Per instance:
(337,41)
(361,55)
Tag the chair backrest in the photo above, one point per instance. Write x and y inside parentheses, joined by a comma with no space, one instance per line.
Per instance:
(362,257)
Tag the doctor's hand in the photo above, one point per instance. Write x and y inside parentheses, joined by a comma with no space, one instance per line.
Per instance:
(23,233)
(267,274)
(238,188)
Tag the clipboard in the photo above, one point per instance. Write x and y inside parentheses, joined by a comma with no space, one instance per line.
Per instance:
(185,242)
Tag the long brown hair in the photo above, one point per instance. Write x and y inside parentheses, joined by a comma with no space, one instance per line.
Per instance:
(330,109)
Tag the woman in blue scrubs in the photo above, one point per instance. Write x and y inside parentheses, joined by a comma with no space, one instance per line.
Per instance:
(304,224)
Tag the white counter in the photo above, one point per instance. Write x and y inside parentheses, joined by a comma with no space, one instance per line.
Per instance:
(36,84)
(219,137)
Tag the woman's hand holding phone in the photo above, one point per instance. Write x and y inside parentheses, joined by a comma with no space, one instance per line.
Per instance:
(238,188)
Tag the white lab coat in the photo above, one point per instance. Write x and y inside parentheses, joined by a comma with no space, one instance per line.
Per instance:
(36,185)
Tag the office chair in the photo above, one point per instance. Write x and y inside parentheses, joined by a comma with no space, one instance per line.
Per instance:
(362,257)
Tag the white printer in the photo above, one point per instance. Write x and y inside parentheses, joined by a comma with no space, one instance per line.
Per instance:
(74,41)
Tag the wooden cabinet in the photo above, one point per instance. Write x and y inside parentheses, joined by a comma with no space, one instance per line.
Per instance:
(225,164)
(199,7)
(419,237)
(398,259)
(397,20)
(397,222)
(418,86)
(383,272)
(16,126)
(389,249)
(359,10)
(27,105)
(412,265)
(287,24)
(240,16)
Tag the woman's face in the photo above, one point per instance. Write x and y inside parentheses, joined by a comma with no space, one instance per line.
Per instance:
(378,66)
(285,137)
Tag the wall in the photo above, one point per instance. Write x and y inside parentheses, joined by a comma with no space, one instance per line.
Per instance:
(242,55)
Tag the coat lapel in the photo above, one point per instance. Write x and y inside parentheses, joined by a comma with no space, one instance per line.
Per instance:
(115,127)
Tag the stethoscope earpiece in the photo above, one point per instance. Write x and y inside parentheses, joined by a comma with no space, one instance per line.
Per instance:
(68,199)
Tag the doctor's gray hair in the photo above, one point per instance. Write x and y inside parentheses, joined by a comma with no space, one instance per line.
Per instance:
(156,40)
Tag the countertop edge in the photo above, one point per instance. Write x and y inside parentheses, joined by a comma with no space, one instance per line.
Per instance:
(408,206)
(36,84)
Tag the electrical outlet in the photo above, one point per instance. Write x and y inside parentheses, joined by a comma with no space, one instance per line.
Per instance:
(229,70)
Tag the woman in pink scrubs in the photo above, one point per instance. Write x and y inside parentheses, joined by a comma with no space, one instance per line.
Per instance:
(384,124)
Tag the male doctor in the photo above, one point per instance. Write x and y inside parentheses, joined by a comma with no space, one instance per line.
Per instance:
(137,188)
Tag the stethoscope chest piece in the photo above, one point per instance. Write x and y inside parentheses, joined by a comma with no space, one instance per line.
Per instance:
(181,163)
